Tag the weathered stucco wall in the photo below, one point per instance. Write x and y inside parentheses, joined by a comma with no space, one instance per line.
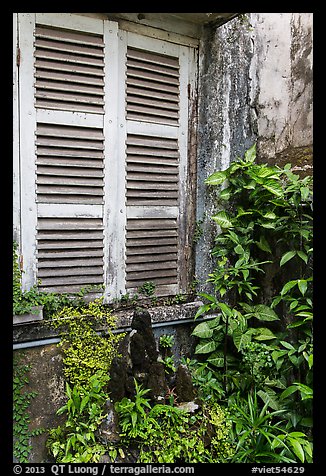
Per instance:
(255,85)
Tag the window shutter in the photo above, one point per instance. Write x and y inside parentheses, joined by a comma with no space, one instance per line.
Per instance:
(67,167)
(103,138)
(156,161)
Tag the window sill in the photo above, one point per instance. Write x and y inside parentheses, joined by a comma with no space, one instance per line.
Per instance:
(38,332)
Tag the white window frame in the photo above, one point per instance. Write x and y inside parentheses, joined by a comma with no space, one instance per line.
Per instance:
(115,127)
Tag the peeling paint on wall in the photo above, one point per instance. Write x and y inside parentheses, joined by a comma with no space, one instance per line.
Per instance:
(255,86)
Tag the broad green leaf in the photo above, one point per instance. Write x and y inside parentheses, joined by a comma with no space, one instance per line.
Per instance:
(250,154)
(239,250)
(202,330)
(274,187)
(202,310)
(262,333)
(306,392)
(303,256)
(241,339)
(223,220)
(216,178)
(287,286)
(287,345)
(288,391)
(297,449)
(225,194)
(269,215)
(265,313)
(213,323)
(84,402)
(287,256)
(209,297)
(263,244)
(205,347)
(216,359)
(270,398)
(225,308)
(302,285)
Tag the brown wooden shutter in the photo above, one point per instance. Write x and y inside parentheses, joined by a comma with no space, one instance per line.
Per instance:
(69,72)
(152,169)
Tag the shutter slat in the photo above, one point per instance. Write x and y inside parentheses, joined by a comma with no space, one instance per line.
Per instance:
(57,34)
(68,47)
(65,57)
(69,87)
(152,87)
(68,184)
(69,153)
(64,162)
(68,56)
(152,250)
(61,76)
(67,171)
(131,259)
(151,57)
(62,67)
(69,252)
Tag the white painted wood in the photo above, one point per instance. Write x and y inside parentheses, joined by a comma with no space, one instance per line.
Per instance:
(27,149)
(151,32)
(112,240)
(117,213)
(73,210)
(15,150)
(183,153)
(69,118)
(148,128)
(115,128)
(152,44)
(152,212)
(71,21)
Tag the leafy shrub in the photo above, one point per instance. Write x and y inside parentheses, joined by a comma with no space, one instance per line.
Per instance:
(74,441)
(85,350)
(168,434)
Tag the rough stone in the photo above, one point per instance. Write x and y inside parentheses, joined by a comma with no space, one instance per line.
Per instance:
(183,384)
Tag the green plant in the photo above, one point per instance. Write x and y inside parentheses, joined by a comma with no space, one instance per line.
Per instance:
(169,365)
(204,379)
(21,419)
(260,335)
(260,437)
(87,359)
(147,289)
(166,341)
(132,414)
(75,441)
(26,301)
(85,350)
(168,434)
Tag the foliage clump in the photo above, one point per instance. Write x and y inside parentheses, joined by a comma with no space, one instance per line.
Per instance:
(164,433)
(87,357)
(21,420)
(85,350)
(258,346)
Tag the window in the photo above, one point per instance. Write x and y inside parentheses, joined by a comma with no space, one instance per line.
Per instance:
(100,155)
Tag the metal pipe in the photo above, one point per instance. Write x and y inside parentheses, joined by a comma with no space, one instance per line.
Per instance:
(55,340)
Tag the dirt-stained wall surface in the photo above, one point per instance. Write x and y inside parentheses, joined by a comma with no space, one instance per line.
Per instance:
(255,85)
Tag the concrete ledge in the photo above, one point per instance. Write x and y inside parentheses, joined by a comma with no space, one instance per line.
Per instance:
(40,332)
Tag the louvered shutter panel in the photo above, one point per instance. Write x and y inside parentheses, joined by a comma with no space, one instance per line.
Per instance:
(66,168)
(70,159)
(155,157)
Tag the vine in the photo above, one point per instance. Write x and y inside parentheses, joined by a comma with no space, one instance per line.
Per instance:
(21,420)
(260,339)
(88,354)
